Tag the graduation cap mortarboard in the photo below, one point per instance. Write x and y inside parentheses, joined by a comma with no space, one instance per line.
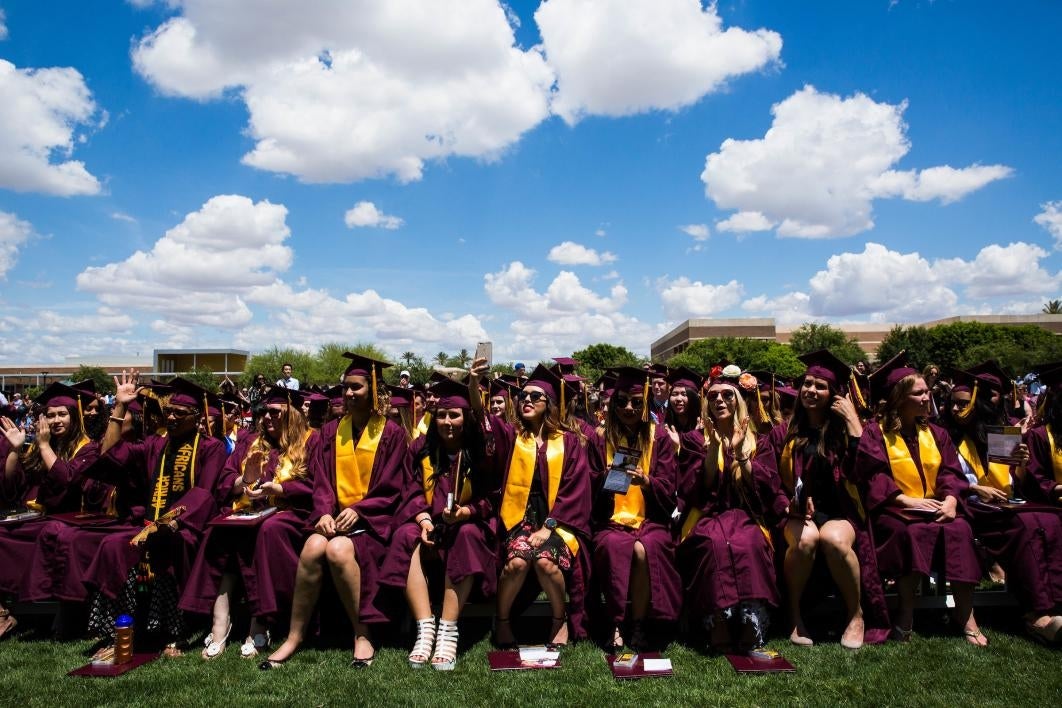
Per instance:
(401,397)
(57,394)
(370,368)
(452,395)
(889,374)
(686,378)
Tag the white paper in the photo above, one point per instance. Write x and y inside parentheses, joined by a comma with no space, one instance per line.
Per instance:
(538,654)
(656,665)
(1001,443)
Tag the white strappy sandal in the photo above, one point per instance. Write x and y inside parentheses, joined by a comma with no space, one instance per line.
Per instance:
(425,642)
(253,645)
(214,648)
(445,657)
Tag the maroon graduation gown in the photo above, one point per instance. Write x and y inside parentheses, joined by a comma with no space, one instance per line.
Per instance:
(571,509)
(58,490)
(133,467)
(376,510)
(903,546)
(872,596)
(1040,479)
(726,558)
(266,556)
(467,549)
(613,544)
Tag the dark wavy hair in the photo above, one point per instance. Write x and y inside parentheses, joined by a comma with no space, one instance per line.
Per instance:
(473,451)
(833,438)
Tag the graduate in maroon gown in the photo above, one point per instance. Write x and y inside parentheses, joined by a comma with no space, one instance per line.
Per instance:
(358,471)
(683,425)
(814,453)
(270,469)
(447,527)
(1024,540)
(158,475)
(1043,479)
(45,478)
(633,546)
(725,553)
(545,505)
(913,487)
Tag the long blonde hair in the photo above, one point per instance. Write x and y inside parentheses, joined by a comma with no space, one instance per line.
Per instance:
(291,441)
(748,447)
(889,413)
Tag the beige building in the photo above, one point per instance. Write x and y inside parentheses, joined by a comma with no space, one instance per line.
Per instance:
(869,335)
(163,363)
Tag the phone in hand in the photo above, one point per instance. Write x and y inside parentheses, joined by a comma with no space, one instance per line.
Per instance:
(484,350)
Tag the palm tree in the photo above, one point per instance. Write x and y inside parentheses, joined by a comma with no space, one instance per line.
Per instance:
(441,358)
(408,357)
(464,358)
(1053,307)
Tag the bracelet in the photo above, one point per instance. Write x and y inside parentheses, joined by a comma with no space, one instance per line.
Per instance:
(421,521)
(741,460)
(115,419)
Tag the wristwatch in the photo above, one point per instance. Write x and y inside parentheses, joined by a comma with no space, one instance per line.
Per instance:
(550,523)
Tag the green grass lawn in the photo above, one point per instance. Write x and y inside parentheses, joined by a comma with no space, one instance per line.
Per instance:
(929,671)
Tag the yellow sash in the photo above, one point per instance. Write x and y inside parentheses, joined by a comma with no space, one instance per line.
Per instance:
(521,474)
(422,427)
(912,481)
(998,475)
(34,505)
(354,463)
(429,486)
(1056,455)
(785,470)
(629,508)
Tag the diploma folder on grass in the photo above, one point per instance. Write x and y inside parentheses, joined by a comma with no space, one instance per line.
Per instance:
(645,665)
(525,659)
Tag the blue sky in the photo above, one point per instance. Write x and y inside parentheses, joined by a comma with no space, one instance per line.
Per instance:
(422,175)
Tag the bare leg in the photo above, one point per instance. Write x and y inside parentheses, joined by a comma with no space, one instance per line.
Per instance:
(803,538)
(551,579)
(836,539)
(417,588)
(346,574)
(964,614)
(307,589)
(905,588)
(455,597)
(222,621)
(512,579)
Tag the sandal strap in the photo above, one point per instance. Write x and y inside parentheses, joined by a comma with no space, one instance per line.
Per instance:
(446,642)
(425,638)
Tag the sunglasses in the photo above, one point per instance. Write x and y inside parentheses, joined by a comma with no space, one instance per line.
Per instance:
(624,401)
(177,412)
(274,412)
(533,396)
(726,395)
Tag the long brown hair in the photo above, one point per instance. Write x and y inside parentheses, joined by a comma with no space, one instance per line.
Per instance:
(614,430)
(65,447)
(290,440)
(552,424)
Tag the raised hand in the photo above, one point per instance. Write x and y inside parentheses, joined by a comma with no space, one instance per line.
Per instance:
(44,431)
(127,387)
(252,469)
(15,436)
(737,439)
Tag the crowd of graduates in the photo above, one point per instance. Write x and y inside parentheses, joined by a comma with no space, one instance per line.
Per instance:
(635,502)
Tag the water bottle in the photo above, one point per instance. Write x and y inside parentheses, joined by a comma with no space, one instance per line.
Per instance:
(123,639)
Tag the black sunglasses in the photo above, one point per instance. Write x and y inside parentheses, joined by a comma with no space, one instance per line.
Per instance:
(533,396)
(623,401)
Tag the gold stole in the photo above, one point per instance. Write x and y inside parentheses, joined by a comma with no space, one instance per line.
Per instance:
(34,505)
(354,463)
(521,473)
(463,497)
(629,509)
(421,428)
(694,515)
(998,474)
(912,481)
(785,470)
(1056,455)
(184,462)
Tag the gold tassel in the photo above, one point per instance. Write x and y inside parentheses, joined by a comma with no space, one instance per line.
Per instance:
(856,393)
(206,412)
(646,397)
(763,412)
(964,415)
(563,410)
(80,413)
(375,395)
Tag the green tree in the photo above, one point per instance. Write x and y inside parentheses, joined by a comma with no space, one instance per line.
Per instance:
(203,376)
(813,336)
(747,353)
(594,359)
(269,362)
(960,344)
(1052,307)
(441,358)
(103,382)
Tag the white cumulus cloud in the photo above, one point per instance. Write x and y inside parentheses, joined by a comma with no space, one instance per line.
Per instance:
(571,253)
(621,57)
(1051,219)
(699,232)
(342,91)
(683,298)
(366,214)
(13,233)
(40,109)
(822,163)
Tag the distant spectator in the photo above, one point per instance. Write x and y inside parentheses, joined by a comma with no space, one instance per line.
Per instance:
(403,380)
(287,380)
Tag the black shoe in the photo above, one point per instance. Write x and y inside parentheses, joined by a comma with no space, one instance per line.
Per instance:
(357,663)
(270,664)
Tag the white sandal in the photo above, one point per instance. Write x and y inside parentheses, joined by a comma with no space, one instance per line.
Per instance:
(253,645)
(214,648)
(445,657)
(424,644)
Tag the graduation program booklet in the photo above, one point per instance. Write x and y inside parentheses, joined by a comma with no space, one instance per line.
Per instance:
(624,462)
(1002,439)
